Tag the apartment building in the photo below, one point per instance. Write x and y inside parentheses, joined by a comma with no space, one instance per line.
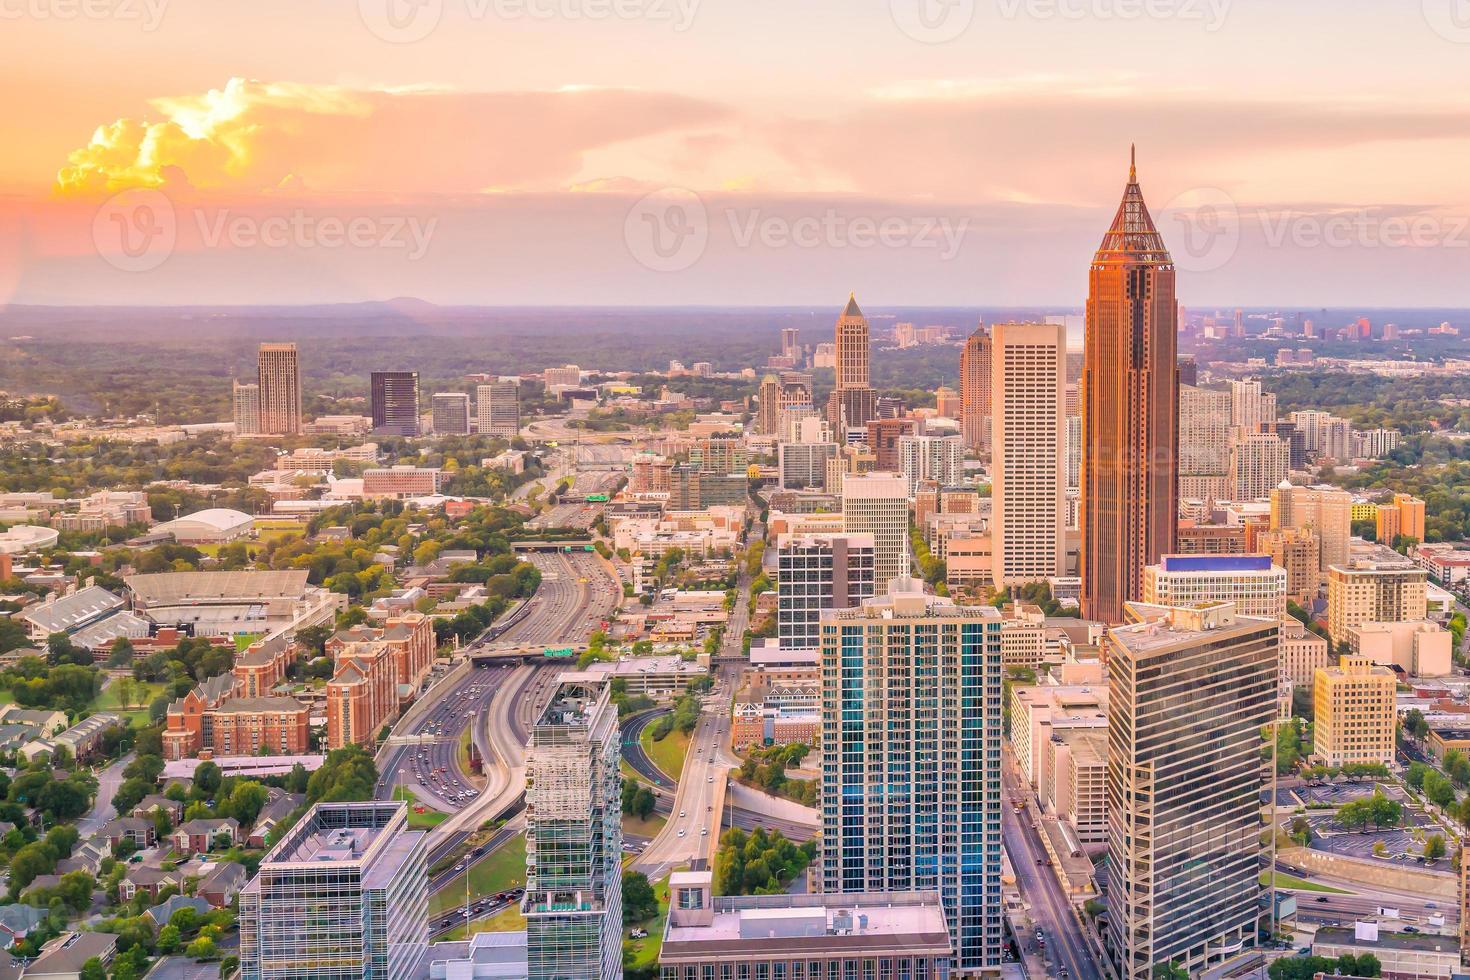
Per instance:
(1252,582)
(1354,711)
(816,573)
(401,482)
(1374,592)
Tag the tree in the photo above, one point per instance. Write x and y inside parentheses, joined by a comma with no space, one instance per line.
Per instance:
(201,949)
(169,939)
(1415,774)
(1434,847)
(125,691)
(1439,790)
(639,901)
(1170,971)
(93,970)
(207,777)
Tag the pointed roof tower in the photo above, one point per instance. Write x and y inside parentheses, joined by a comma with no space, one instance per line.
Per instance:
(852,307)
(1132,238)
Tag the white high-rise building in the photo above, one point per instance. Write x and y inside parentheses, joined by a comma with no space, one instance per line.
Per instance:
(246,403)
(1259,462)
(1028,450)
(1252,582)
(1204,431)
(498,408)
(937,458)
(1249,405)
(877,504)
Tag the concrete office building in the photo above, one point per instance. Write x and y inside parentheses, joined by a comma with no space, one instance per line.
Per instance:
(395,402)
(816,573)
(498,408)
(279,382)
(975,398)
(574,836)
(1298,551)
(1252,582)
(344,894)
(877,504)
(911,786)
(451,413)
(1131,407)
(1189,691)
(245,401)
(1374,592)
(1353,706)
(801,937)
(1028,451)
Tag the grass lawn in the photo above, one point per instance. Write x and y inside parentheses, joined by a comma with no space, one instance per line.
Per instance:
(1301,884)
(243,641)
(137,711)
(644,828)
(645,951)
(464,752)
(419,821)
(504,868)
(668,754)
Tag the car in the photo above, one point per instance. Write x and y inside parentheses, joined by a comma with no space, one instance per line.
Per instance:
(681,833)
(681,813)
(1323,899)
(1430,905)
(1411,928)
(704,831)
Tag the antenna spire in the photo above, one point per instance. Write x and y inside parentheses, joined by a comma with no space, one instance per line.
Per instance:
(1132,163)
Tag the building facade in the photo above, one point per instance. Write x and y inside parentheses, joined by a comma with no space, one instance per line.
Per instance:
(853,402)
(1252,582)
(877,504)
(1354,713)
(395,402)
(1374,592)
(451,413)
(816,573)
(498,408)
(975,397)
(911,729)
(1189,691)
(344,895)
(1130,410)
(279,381)
(1028,451)
(574,836)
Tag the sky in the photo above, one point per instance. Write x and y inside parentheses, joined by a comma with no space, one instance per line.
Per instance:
(632,152)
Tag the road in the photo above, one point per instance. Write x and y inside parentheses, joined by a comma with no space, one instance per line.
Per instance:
(432,770)
(1050,907)
(685,836)
(108,780)
(576,595)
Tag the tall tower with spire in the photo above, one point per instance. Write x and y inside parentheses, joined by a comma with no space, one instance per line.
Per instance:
(853,402)
(1130,398)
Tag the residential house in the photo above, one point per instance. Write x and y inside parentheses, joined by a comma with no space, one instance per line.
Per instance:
(139,830)
(277,809)
(142,879)
(222,884)
(198,836)
(161,913)
(63,957)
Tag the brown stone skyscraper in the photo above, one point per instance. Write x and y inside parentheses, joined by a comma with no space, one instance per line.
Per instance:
(279,377)
(1130,397)
(975,390)
(853,402)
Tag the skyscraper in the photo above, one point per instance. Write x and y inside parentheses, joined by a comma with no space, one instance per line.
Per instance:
(911,726)
(791,344)
(451,413)
(498,408)
(878,504)
(395,402)
(853,402)
(574,836)
(1189,691)
(1130,410)
(245,400)
(975,378)
(1028,451)
(344,894)
(280,390)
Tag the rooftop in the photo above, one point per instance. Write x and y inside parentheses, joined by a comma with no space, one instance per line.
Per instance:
(1418,942)
(798,924)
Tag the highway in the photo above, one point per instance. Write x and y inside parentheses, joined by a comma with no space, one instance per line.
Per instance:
(575,596)
(431,770)
(1050,908)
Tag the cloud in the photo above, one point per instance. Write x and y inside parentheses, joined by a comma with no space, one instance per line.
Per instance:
(257,137)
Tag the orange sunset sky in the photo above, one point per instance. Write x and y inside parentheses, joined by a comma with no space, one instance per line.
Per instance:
(518,135)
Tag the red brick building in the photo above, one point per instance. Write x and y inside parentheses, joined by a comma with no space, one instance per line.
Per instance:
(235,714)
(377,671)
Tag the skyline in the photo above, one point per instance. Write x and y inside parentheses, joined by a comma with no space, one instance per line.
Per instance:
(525,175)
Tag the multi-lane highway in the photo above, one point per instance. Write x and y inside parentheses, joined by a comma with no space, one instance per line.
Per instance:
(577,594)
(431,769)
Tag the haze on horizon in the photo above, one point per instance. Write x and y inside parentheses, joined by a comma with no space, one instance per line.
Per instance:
(702,151)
